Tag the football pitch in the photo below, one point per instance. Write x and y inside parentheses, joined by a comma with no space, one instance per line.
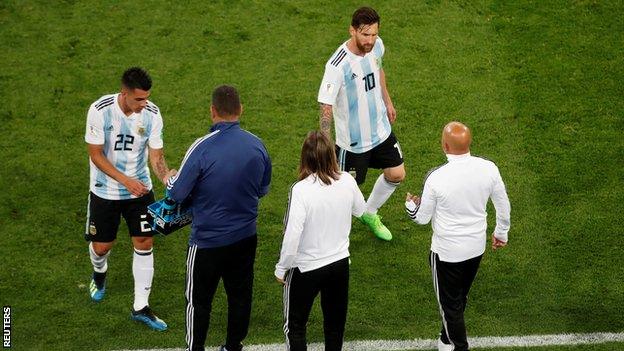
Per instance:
(539,83)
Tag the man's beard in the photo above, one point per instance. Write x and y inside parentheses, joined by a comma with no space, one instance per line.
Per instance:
(364,48)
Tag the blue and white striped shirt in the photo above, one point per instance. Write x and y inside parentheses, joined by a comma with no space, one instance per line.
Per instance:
(125,141)
(352,86)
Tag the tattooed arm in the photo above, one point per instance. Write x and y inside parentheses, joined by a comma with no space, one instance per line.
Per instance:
(159,166)
(325,120)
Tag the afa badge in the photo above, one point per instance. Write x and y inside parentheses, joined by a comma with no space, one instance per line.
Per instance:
(140,129)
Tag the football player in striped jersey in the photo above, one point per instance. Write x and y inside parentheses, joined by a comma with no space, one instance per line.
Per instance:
(123,131)
(354,94)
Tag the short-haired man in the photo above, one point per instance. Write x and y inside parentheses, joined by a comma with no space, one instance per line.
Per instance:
(123,131)
(454,199)
(353,92)
(223,175)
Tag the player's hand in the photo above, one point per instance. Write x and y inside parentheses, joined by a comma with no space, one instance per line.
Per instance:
(280,280)
(497,243)
(135,187)
(413,198)
(171,173)
(391,113)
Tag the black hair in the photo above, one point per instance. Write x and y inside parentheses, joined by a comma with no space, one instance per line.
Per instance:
(364,16)
(136,78)
(226,101)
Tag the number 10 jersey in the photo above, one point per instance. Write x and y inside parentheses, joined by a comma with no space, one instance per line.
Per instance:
(352,86)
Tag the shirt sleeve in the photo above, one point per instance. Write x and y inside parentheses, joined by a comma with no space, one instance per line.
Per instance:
(382,47)
(94,133)
(294,220)
(331,84)
(266,177)
(380,50)
(422,212)
(179,186)
(359,205)
(155,140)
(503,208)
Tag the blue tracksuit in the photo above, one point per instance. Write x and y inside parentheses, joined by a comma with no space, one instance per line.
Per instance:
(223,175)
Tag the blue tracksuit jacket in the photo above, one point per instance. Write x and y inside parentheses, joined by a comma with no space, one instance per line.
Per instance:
(223,175)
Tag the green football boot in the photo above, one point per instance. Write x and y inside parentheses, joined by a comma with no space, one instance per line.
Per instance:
(373,221)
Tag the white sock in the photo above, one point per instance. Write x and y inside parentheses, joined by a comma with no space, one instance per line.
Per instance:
(143,272)
(380,194)
(100,263)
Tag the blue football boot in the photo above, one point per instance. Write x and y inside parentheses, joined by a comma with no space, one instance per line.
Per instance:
(148,317)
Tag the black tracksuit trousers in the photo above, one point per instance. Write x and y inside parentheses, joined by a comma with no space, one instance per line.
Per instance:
(300,290)
(451,283)
(204,268)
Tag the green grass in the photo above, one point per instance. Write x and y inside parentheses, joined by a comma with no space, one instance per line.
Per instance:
(539,82)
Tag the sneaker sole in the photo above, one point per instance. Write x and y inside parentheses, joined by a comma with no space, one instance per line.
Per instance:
(382,238)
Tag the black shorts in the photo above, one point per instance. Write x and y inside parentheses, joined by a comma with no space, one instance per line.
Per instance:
(385,155)
(104,216)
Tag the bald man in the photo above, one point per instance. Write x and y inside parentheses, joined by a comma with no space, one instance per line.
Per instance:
(454,199)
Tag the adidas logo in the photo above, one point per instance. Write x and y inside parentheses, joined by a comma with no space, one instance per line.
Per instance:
(353,76)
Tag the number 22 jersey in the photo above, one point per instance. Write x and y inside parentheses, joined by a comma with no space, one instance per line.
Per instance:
(125,141)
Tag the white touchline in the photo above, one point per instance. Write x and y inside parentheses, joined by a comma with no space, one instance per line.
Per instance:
(425,344)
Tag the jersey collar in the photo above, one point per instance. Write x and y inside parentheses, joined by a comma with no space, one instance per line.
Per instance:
(118,107)
(457,157)
(351,54)
(224,125)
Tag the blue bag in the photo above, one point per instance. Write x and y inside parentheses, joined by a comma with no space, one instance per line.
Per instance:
(169,216)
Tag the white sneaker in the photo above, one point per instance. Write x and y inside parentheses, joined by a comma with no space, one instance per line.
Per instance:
(444,347)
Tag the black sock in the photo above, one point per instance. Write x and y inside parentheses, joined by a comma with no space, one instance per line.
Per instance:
(99,279)
(233,347)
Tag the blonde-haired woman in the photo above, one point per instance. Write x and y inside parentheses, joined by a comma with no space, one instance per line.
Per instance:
(315,251)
